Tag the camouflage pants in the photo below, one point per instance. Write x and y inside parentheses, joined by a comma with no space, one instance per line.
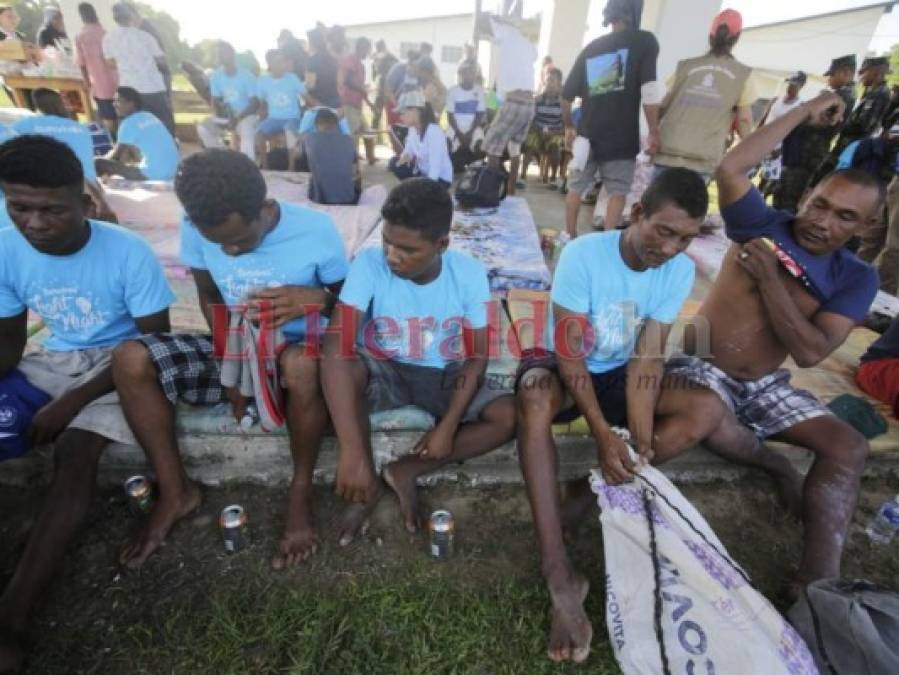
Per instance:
(790,188)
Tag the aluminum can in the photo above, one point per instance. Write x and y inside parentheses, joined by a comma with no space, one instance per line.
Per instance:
(234,528)
(140,494)
(442,529)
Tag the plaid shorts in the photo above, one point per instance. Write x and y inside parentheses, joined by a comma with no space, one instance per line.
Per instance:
(767,405)
(187,367)
(511,125)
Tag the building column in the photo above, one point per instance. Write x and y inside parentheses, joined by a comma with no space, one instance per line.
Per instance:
(562,27)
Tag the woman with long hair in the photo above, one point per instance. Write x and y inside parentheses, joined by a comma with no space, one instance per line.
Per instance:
(426,153)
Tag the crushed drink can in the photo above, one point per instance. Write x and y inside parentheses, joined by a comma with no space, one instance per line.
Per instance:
(548,238)
(140,494)
(234,528)
(442,529)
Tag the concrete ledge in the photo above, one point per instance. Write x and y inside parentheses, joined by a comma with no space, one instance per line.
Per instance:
(214,459)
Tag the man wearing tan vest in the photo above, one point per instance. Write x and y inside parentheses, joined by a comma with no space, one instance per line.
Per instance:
(704,95)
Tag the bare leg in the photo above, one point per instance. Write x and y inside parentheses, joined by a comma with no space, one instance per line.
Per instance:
(539,398)
(513,174)
(687,418)
(495,426)
(152,420)
(614,209)
(76,455)
(830,493)
(307,418)
(572,210)
(344,387)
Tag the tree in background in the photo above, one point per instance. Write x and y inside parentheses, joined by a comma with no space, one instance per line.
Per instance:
(32,14)
(893,77)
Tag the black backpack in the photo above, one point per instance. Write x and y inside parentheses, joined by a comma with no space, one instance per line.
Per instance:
(481,187)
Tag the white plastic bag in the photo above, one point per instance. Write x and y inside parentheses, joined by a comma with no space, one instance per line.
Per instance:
(675,600)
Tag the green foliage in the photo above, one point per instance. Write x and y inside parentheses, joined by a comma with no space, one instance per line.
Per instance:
(893,77)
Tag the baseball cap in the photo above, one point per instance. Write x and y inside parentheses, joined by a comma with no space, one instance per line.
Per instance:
(19,401)
(798,77)
(731,19)
(841,62)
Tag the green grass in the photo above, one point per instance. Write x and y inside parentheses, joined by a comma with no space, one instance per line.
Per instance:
(415,625)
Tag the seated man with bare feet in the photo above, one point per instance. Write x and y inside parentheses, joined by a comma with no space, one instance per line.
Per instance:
(425,345)
(615,297)
(283,262)
(94,285)
(788,287)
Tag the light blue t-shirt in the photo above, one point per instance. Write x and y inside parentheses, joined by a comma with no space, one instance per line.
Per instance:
(87,299)
(282,95)
(76,136)
(159,154)
(593,279)
(304,249)
(420,324)
(236,90)
(6,132)
(307,124)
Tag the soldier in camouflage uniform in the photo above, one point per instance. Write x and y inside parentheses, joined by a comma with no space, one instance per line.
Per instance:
(866,117)
(807,147)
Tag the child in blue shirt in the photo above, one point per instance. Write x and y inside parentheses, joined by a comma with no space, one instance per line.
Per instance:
(285,263)
(94,285)
(423,314)
(144,150)
(279,94)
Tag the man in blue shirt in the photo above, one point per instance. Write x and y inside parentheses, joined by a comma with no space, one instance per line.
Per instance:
(425,345)
(234,104)
(54,121)
(788,287)
(285,263)
(615,298)
(94,285)
(279,93)
(333,162)
(144,150)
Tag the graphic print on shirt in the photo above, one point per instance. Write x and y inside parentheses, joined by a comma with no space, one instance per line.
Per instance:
(241,282)
(607,72)
(68,307)
(615,327)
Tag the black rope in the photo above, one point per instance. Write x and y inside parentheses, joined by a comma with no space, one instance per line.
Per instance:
(721,553)
(657,573)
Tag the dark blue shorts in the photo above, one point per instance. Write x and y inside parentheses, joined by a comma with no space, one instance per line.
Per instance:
(610,387)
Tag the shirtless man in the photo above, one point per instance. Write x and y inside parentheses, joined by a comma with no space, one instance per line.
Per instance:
(759,315)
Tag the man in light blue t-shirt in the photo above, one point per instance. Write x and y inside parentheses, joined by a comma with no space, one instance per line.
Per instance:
(144,149)
(285,263)
(279,93)
(94,285)
(54,121)
(235,104)
(615,297)
(425,345)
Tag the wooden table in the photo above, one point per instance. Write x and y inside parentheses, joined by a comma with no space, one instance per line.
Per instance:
(20,83)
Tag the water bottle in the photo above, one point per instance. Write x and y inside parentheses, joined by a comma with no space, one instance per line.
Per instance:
(250,417)
(885,524)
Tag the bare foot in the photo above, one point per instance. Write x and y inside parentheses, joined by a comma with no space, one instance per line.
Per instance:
(402,481)
(165,514)
(12,656)
(354,519)
(571,632)
(300,539)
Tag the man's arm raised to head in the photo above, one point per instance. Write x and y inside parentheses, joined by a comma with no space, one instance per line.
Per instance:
(732,173)
(13,336)
(645,371)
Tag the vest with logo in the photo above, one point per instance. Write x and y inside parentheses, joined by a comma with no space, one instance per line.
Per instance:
(700,114)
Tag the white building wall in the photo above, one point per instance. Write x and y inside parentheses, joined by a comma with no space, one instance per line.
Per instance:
(809,44)
(452,31)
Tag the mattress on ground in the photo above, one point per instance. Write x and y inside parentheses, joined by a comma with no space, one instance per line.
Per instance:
(505,240)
